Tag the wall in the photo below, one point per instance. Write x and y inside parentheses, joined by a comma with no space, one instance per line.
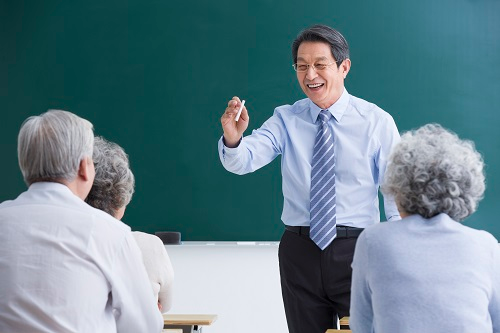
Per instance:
(238,283)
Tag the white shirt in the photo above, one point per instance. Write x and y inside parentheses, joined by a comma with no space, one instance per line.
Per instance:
(67,267)
(364,136)
(158,266)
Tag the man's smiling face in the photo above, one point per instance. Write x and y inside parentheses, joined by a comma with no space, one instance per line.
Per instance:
(323,87)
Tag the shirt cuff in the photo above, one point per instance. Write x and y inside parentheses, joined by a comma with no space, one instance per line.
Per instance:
(230,151)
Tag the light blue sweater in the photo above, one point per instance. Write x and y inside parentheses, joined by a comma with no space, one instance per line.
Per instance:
(425,275)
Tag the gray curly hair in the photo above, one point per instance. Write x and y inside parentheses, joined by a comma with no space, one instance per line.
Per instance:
(114,181)
(432,171)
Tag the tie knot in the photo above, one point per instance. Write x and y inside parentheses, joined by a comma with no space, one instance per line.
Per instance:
(325,116)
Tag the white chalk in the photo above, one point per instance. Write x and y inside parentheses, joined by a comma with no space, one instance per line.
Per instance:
(239,111)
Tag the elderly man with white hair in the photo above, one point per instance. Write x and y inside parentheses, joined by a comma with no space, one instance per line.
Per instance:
(428,272)
(65,266)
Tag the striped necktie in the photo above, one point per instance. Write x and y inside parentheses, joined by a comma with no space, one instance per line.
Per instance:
(323,199)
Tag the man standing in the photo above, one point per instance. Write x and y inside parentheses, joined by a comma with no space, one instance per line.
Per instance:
(334,149)
(65,266)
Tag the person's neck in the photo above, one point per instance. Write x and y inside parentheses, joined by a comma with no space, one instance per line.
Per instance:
(76,188)
(328,104)
(403,214)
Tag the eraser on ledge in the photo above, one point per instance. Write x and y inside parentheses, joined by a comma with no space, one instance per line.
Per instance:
(169,237)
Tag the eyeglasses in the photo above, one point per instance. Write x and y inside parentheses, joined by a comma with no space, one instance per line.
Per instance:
(299,67)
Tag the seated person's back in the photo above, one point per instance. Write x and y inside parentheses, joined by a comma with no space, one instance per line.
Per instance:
(428,272)
(111,192)
(63,262)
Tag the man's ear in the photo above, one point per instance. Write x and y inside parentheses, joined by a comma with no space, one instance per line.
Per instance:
(345,66)
(84,169)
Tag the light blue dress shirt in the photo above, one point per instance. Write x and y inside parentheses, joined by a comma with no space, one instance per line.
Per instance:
(364,135)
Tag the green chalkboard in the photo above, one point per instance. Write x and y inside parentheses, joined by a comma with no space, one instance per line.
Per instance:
(155,77)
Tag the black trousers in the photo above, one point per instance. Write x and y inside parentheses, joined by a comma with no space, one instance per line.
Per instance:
(316,285)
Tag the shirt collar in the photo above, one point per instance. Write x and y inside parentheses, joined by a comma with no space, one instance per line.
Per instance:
(49,186)
(54,187)
(337,110)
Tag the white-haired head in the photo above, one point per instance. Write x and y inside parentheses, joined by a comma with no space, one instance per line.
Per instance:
(432,171)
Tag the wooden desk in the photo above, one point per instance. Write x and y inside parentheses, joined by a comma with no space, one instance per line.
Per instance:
(344,326)
(344,323)
(189,323)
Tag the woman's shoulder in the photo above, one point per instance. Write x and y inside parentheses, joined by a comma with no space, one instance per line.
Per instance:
(147,240)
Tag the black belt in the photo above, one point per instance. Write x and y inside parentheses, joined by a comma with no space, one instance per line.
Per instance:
(342,232)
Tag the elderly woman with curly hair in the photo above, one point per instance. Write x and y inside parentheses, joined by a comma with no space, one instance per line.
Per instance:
(111,192)
(427,272)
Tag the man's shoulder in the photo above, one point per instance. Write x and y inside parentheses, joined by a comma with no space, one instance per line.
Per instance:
(6,203)
(106,222)
(299,106)
(368,108)
(58,206)
(14,201)
(100,222)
